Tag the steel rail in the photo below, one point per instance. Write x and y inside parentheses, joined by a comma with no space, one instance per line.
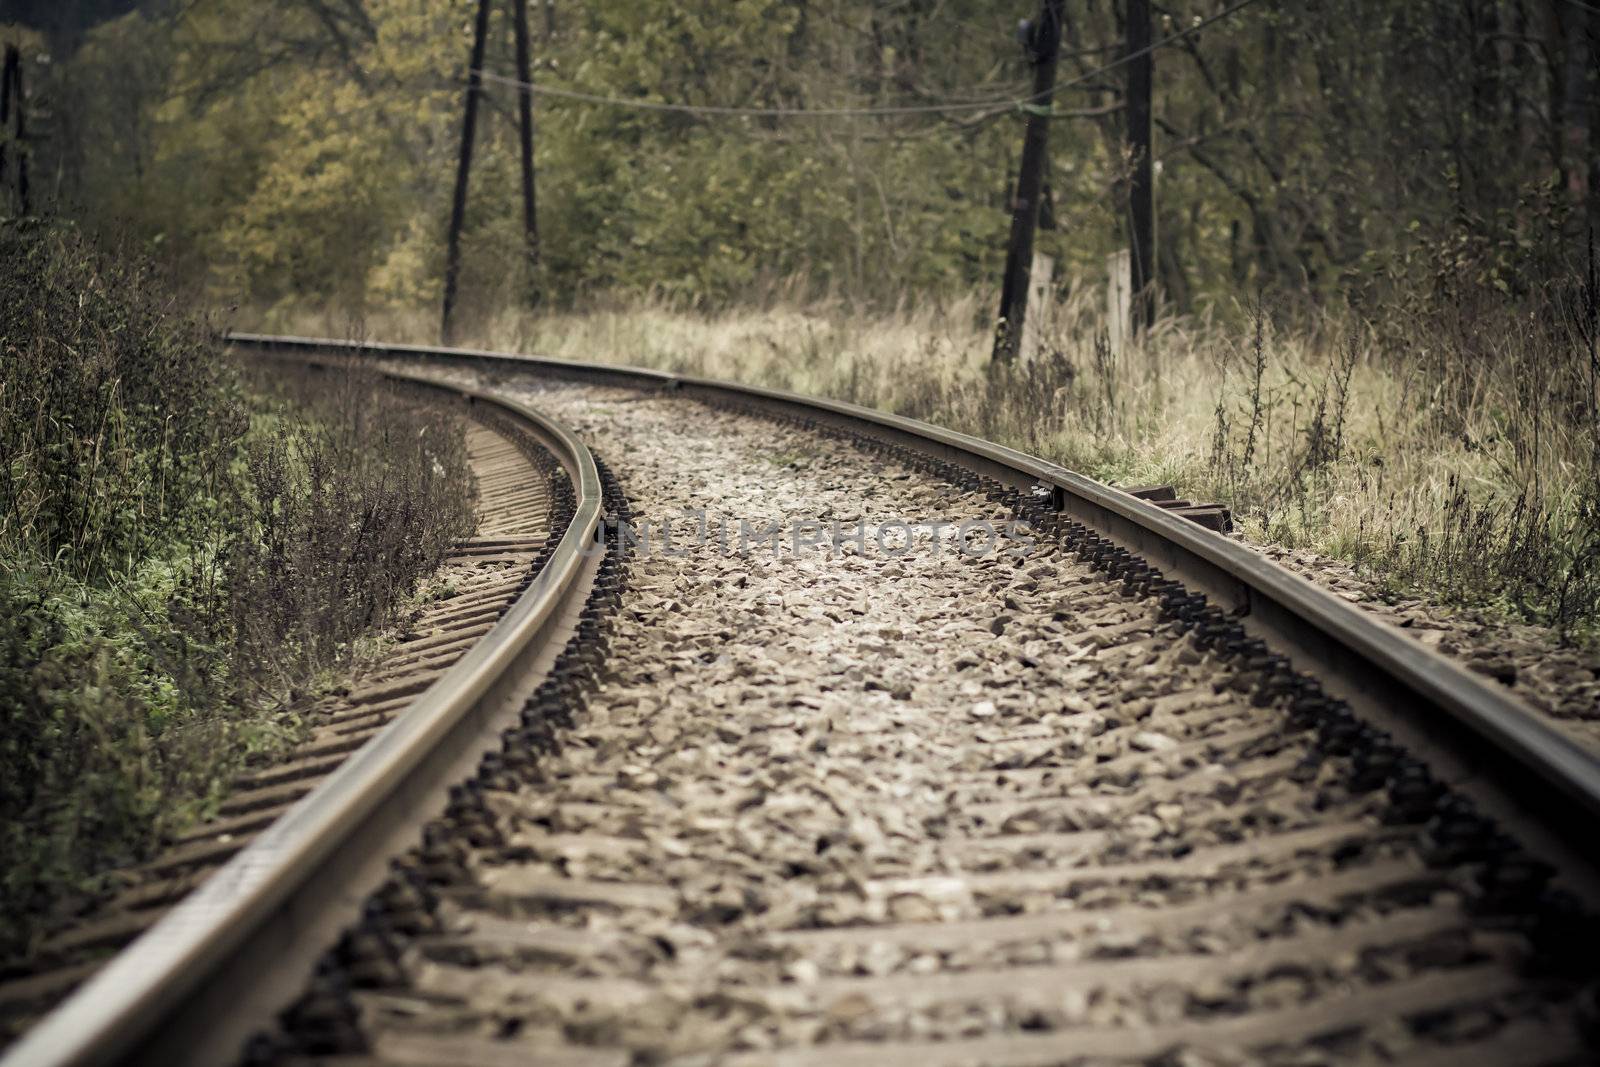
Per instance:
(1481,740)
(174,995)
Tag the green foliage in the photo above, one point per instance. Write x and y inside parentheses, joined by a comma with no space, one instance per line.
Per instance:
(113,411)
(302,153)
(119,426)
(284,160)
(174,572)
(103,748)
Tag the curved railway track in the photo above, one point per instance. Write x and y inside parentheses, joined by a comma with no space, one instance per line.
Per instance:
(1050,805)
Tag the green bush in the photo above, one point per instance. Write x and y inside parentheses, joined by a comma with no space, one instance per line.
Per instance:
(181,555)
(114,409)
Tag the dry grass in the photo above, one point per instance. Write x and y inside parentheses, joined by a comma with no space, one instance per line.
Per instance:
(1450,450)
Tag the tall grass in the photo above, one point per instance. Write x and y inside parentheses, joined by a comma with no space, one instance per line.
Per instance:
(355,490)
(1447,441)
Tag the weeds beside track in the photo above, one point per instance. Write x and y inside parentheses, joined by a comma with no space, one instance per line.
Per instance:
(184,554)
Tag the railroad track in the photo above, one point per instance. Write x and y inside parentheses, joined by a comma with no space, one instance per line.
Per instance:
(889,801)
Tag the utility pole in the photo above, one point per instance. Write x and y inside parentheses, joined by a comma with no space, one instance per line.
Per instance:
(1141,186)
(1042,39)
(530,219)
(458,205)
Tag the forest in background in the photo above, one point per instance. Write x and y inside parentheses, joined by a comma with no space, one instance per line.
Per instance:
(301,152)
(1377,333)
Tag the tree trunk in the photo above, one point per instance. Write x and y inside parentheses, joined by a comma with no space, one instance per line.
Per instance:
(1045,46)
(1141,187)
(1575,101)
(458,203)
(9,67)
(530,218)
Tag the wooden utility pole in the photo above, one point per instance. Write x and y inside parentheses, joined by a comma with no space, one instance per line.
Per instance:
(1043,42)
(458,204)
(530,218)
(1141,186)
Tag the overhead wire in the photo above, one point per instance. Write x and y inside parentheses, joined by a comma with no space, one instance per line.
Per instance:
(724,110)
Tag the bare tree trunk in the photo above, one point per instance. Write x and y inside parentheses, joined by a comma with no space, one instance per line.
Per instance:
(19,124)
(1141,187)
(1575,100)
(530,218)
(1045,45)
(6,71)
(1169,259)
(1555,82)
(1594,118)
(458,203)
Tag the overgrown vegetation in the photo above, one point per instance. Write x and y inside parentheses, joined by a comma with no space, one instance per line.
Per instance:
(1448,443)
(180,555)
(350,500)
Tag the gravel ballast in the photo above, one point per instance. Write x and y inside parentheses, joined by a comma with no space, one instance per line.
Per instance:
(840,803)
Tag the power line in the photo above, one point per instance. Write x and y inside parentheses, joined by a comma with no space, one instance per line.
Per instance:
(748,112)
(637,104)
